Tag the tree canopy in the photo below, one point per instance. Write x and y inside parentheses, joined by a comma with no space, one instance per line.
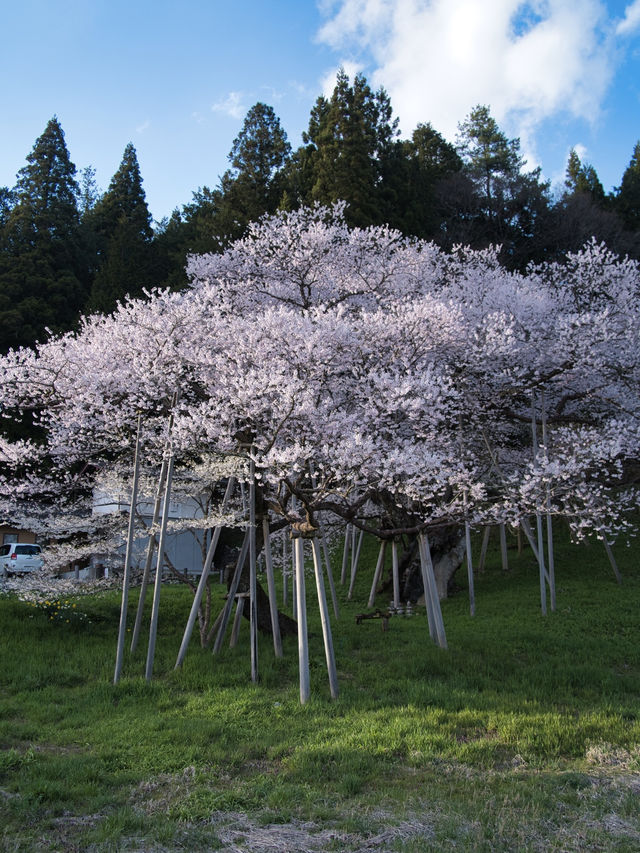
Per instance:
(404,378)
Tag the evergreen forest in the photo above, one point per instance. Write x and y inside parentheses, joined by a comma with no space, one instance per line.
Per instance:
(68,248)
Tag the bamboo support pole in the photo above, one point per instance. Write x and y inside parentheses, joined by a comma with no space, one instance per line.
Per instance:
(153,630)
(324,618)
(377,574)
(235,581)
(202,585)
(303,638)
(271,587)
(149,559)
(122,630)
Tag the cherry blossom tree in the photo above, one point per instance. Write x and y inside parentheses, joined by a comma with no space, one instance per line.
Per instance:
(364,377)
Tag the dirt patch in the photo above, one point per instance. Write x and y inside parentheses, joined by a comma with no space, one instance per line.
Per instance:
(158,794)
(239,834)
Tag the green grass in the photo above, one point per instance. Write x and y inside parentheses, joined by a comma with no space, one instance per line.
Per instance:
(523,735)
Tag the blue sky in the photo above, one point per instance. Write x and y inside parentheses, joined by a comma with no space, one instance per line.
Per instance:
(177,78)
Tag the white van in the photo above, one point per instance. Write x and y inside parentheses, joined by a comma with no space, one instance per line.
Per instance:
(17,559)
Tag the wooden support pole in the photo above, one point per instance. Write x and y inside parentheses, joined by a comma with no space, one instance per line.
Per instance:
(542,567)
(327,558)
(472,594)
(153,630)
(235,581)
(285,571)
(332,586)
(355,559)
(503,548)
(552,565)
(294,574)
(550,556)
(324,618)
(354,548)
(150,551)
(612,559)
(122,630)
(358,550)
(202,585)
(294,594)
(483,550)
(426,586)
(237,619)
(395,574)
(253,571)
(433,592)
(377,574)
(345,554)
(303,638)
(271,587)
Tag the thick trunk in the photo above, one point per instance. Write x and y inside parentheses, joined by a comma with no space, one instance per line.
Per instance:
(448,553)
(229,548)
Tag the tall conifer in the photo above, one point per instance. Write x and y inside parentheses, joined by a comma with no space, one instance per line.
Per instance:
(43,265)
(627,201)
(122,224)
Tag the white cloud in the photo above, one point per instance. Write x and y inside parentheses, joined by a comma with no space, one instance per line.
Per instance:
(328,82)
(527,61)
(142,127)
(273,96)
(581,151)
(232,105)
(631,21)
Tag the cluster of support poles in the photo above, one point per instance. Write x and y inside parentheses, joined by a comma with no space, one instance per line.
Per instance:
(352,548)
(161,507)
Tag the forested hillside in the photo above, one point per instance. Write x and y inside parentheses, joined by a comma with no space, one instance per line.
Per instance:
(67,248)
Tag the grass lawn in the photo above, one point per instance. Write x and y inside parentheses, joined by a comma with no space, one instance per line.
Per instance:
(523,735)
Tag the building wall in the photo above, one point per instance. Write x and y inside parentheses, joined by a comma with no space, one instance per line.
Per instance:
(14,534)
